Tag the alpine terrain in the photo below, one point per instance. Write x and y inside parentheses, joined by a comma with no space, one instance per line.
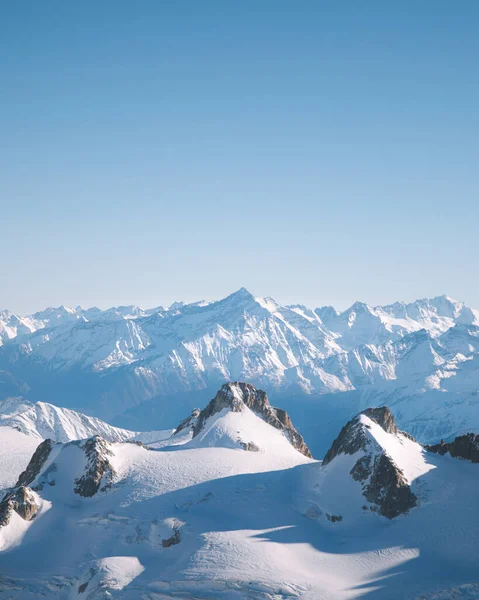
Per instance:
(230,504)
(142,369)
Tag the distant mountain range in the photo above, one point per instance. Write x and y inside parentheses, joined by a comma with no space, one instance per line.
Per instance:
(145,369)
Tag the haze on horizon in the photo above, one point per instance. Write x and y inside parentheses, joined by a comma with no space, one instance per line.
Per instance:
(315,153)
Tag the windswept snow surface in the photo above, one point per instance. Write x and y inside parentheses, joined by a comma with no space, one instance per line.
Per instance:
(202,521)
(16,450)
(234,429)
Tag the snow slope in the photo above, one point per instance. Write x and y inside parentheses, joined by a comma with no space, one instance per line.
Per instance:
(42,421)
(202,520)
(16,449)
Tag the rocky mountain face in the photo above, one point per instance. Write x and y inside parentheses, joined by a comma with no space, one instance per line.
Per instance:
(189,423)
(354,435)
(99,472)
(21,500)
(384,485)
(36,463)
(49,463)
(464,446)
(151,366)
(93,455)
(371,440)
(235,396)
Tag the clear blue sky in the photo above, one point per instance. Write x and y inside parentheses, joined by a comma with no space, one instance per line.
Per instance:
(315,151)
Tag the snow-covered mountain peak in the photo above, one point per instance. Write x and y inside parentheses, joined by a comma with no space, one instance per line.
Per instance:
(358,308)
(380,462)
(42,420)
(242,293)
(356,434)
(127,356)
(257,423)
(446,306)
(55,315)
(327,313)
(82,467)
(241,299)
(382,416)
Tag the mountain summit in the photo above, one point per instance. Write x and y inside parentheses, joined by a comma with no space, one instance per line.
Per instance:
(377,463)
(244,399)
(143,368)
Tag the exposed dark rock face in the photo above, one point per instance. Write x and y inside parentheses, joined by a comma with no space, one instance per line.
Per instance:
(383,482)
(189,421)
(82,587)
(362,469)
(173,540)
(136,443)
(5,512)
(383,417)
(334,518)
(350,440)
(464,446)
(36,463)
(20,500)
(99,471)
(388,488)
(250,447)
(236,395)
(353,438)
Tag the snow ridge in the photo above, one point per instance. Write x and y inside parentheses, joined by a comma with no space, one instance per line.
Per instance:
(421,356)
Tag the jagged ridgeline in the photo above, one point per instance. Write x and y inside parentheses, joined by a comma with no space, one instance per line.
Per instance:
(145,369)
(248,406)
(239,397)
(383,483)
(382,467)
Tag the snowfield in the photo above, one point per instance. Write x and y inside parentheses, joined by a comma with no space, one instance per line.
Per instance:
(195,515)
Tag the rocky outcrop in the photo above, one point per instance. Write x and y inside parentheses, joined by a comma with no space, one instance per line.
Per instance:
(22,501)
(464,446)
(21,498)
(383,482)
(353,436)
(99,472)
(234,396)
(383,417)
(250,447)
(173,540)
(350,440)
(36,463)
(388,489)
(189,422)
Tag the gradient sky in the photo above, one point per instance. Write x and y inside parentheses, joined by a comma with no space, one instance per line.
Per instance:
(315,151)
